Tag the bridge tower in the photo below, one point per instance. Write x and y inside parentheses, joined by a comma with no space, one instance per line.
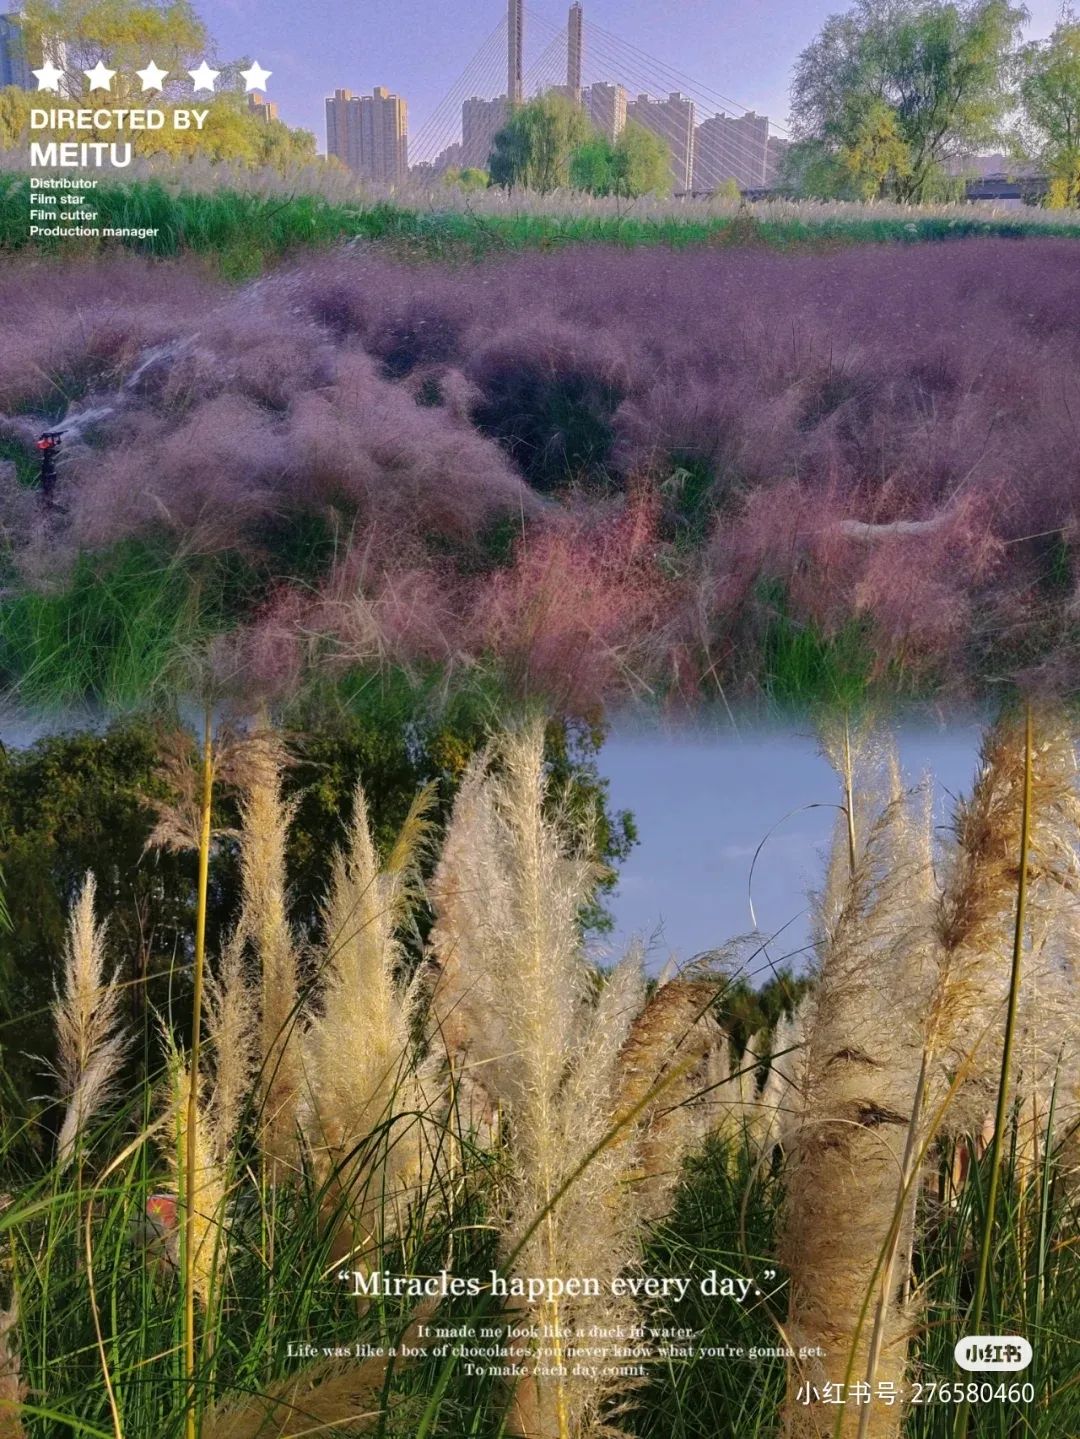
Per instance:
(515,69)
(573,52)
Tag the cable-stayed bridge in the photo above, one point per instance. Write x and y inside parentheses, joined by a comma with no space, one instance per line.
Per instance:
(711,137)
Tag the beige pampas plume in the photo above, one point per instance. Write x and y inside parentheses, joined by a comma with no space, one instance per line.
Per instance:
(326,1398)
(86,1012)
(254,763)
(232,1025)
(367,1103)
(976,912)
(783,1094)
(329,1397)
(517,997)
(668,1073)
(846,1151)
(12,1389)
(257,767)
(1046,1069)
(209,1230)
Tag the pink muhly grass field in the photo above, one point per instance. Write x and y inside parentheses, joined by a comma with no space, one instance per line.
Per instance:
(611,472)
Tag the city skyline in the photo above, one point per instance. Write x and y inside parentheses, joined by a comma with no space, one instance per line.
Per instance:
(415,51)
(417,48)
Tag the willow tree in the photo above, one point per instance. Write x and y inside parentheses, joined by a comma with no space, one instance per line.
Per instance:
(891,91)
(1049,128)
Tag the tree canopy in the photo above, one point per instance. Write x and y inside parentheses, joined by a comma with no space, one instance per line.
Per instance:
(1049,128)
(636,163)
(126,35)
(550,144)
(892,90)
(534,149)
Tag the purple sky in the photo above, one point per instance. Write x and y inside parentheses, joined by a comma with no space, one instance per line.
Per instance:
(743,51)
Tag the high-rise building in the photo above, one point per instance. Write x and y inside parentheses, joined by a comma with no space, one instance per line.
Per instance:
(481,120)
(573,52)
(450,157)
(605,106)
(774,159)
(732,147)
(515,51)
(14,62)
(369,133)
(673,120)
(262,108)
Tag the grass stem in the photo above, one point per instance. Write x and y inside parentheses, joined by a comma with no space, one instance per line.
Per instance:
(1001,1115)
(191,1157)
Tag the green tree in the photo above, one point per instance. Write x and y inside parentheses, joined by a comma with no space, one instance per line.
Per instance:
(637,163)
(125,34)
(1049,128)
(591,165)
(469,178)
(14,116)
(642,163)
(76,802)
(728,190)
(534,149)
(892,90)
(809,168)
(876,159)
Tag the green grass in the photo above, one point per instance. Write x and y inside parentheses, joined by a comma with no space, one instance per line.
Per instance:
(120,632)
(245,232)
(725,1218)
(798,664)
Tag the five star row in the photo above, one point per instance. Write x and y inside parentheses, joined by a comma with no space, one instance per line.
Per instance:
(152,77)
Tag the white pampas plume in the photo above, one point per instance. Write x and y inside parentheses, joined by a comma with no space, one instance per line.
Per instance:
(265,818)
(210,1229)
(86,1012)
(667,1070)
(367,1102)
(517,998)
(232,1026)
(845,1154)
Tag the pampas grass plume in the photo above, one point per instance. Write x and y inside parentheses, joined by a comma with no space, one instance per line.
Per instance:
(86,1012)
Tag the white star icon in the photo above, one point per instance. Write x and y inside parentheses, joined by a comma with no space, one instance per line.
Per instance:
(152,77)
(256,77)
(49,77)
(100,78)
(204,77)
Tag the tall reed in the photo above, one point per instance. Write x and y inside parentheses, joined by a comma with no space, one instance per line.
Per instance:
(90,1040)
(257,765)
(843,1157)
(368,1099)
(516,998)
(191,1153)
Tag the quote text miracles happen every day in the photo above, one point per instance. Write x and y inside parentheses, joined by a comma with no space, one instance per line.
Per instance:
(547,1288)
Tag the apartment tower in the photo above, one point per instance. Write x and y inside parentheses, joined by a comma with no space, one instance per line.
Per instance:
(605,106)
(369,133)
(732,147)
(673,120)
(14,64)
(481,120)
